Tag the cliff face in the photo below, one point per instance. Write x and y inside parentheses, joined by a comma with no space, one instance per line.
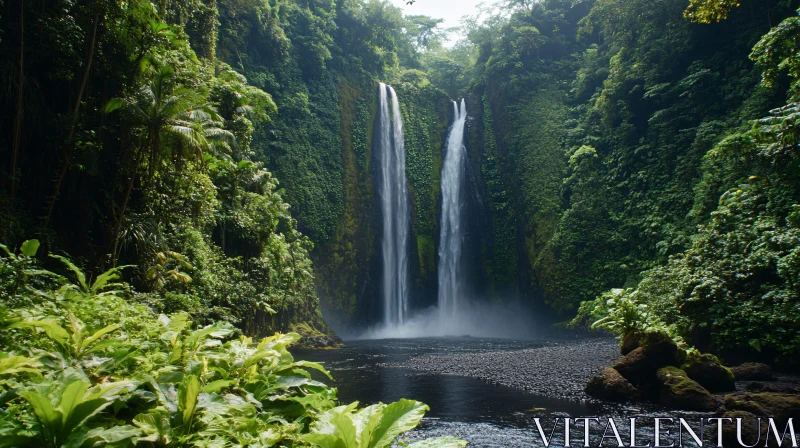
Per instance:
(347,256)
(348,265)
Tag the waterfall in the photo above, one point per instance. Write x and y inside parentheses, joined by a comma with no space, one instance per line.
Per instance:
(393,194)
(451,228)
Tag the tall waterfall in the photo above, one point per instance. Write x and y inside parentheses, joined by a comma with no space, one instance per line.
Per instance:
(451,228)
(393,194)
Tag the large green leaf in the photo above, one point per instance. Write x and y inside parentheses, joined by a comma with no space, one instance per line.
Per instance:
(10,365)
(155,426)
(79,275)
(97,335)
(365,421)
(296,381)
(113,435)
(76,408)
(51,328)
(29,248)
(309,365)
(71,398)
(395,419)
(187,398)
(324,440)
(345,429)
(49,418)
(324,424)
(104,280)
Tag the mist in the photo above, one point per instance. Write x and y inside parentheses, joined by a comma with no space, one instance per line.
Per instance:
(471,319)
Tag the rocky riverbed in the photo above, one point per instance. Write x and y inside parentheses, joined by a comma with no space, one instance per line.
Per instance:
(558,369)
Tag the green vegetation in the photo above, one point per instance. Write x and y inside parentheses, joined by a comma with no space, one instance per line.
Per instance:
(82,364)
(631,162)
(639,147)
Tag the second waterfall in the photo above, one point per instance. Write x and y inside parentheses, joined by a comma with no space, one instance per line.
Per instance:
(394,206)
(451,228)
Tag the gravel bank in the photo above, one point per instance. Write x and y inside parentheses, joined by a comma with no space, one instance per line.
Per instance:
(557,369)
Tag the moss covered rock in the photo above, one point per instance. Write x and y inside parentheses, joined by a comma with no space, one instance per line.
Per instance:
(707,370)
(779,406)
(750,429)
(640,365)
(608,384)
(629,342)
(752,371)
(681,392)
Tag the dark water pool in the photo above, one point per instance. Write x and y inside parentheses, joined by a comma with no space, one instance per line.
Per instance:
(360,373)
(485,414)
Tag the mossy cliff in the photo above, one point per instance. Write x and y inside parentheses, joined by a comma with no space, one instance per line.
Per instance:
(347,258)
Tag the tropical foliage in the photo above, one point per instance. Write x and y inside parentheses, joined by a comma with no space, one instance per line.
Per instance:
(82,365)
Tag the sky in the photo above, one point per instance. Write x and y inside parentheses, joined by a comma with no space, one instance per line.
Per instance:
(449,10)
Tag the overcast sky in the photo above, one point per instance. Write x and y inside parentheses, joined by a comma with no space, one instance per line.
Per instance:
(449,10)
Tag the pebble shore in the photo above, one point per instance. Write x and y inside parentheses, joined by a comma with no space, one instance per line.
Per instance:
(557,369)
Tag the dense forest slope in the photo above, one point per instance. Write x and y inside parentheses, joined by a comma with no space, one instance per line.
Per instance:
(224,147)
(161,121)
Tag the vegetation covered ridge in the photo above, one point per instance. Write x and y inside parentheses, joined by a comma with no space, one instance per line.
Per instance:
(645,156)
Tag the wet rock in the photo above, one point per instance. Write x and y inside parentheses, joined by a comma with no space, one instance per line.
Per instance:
(681,392)
(750,430)
(752,371)
(707,370)
(637,367)
(630,342)
(655,350)
(779,406)
(319,342)
(608,384)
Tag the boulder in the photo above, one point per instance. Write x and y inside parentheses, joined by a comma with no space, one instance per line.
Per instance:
(639,366)
(752,371)
(681,392)
(707,370)
(781,407)
(658,343)
(629,342)
(636,366)
(750,429)
(608,384)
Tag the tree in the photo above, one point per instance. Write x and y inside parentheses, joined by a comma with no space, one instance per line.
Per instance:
(707,11)
(424,33)
(161,112)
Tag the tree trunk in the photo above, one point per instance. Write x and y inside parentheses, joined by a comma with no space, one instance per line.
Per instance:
(121,216)
(18,121)
(68,156)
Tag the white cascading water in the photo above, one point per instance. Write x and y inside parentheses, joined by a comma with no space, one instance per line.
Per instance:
(455,315)
(451,229)
(394,209)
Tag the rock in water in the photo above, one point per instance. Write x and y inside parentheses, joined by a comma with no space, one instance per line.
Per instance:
(752,371)
(707,370)
(781,407)
(681,392)
(608,384)
(750,429)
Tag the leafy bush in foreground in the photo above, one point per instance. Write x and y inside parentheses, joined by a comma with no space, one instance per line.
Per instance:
(82,367)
